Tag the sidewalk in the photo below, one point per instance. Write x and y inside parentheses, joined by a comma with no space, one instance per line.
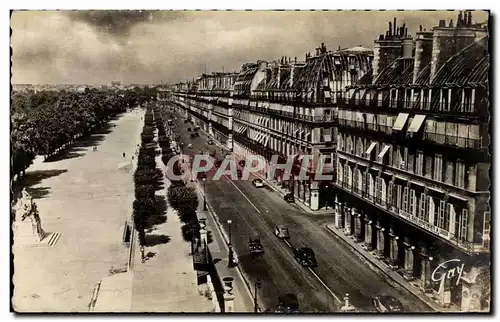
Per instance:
(243,301)
(392,274)
(86,196)
(166,281)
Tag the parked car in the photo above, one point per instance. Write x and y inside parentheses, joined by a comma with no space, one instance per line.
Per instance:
(189,129)
(210,142)
(258,183)
(197,128)
(190,146)
(287,303)
(186,121)
(305,256)
(192,135)
(255,246)
(281,232)
(289,198)
(217,163)
(196,134)
(387,303)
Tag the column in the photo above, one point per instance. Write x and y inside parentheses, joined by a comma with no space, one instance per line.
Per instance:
(338,214)
(409,259)
(368,233)
(357,225)
(425,272)
(394,249)
(348,221)
(380,240)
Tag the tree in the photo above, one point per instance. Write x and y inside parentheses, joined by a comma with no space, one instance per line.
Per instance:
(144,191)
(183,199)
(143,209)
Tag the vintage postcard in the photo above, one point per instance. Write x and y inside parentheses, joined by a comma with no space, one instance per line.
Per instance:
(251,161)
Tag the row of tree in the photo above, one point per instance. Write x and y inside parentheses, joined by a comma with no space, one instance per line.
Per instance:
(147,178)
(45,122)
(182,198)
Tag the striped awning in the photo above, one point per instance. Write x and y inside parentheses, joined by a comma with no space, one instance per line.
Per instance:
(384,151)
(417,122)
(400,121)
(370,148)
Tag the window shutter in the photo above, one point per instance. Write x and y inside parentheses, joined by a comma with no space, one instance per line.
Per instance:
(422,209)
(430,211)
(389,193)
(405,199)
(453,219)
(486,227)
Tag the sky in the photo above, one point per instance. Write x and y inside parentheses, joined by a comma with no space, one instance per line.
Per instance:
(97,47)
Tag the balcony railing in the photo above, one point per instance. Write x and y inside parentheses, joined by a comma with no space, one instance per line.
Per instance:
(468,246)
(454,140)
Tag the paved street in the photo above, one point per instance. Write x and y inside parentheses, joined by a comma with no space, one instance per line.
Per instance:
(339,271)
(86,197)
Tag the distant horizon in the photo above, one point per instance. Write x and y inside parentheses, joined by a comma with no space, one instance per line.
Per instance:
(146,47)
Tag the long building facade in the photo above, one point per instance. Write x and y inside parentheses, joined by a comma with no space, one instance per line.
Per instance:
(413,161)
(404,131)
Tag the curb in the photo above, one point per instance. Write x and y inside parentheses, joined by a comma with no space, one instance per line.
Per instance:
(221,231)
(367,257)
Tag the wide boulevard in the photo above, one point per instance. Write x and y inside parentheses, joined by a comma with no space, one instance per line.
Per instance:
(255,211)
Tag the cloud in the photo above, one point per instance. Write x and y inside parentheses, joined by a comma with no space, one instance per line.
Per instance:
(149,46)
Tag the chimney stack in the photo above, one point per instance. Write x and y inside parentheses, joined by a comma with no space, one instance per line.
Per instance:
(442,23)
(390,29)
(469,19)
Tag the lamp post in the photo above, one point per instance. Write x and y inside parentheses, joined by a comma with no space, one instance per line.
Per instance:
(257,285)
(229,223)
(230,254)
(204,194)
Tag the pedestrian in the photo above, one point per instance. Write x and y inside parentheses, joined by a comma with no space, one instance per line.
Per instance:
(123,154)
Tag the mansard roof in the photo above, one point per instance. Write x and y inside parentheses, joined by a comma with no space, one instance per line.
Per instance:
(468,67)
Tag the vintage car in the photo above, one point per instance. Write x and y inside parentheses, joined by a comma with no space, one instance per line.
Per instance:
(289,198)
(189,129)
(258,183)
(186,121)
(281,232)
(387,303)
(210,142)
(255,246)
(305,256)
(190,146)
(287,303)
(197,128)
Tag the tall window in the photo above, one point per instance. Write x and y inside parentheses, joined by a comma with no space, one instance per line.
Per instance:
(419,167)
(486,228)
(370,185)
(405,199)
(399,196)
(430,210)
(452,217)
(441,213)
(360,181)
(422,214)
(378,190)
(389,193)
(438,167)
(340,172)
(363,183)
(460,174)
(413,203)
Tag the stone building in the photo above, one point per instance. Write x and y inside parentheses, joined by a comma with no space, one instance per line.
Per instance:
(284,108)
(412,154)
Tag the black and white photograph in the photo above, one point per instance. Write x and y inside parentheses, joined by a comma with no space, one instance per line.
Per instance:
(261,162)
